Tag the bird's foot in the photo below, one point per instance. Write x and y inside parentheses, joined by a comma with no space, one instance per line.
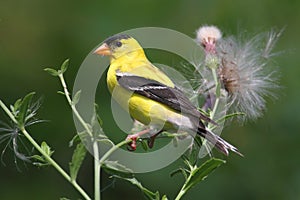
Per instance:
(151,141)
(133,138)
(131,145)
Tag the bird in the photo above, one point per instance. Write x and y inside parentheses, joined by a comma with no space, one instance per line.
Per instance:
(149,95)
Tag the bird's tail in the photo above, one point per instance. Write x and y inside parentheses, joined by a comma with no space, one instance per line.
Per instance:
(219,143)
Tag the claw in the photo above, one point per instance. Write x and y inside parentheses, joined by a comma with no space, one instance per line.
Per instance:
(132,145)
(151,141)
(133,138)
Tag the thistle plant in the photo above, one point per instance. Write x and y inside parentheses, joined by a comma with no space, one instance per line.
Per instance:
(237,72)
(244,68)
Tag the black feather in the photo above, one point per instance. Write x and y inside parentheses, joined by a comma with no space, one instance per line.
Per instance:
(174,98)
(114,38)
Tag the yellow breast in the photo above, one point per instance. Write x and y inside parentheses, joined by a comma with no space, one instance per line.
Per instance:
(141,108)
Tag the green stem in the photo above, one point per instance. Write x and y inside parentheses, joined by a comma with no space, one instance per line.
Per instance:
(216,104)
(67,94)
(183,189)
(214,72)
(8,112)
(113,149)
(180,194)
(45,155)
(97,171)
(97,165)
(212,115)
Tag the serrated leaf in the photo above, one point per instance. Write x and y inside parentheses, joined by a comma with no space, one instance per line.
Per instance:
(23,107)
(76,97)
(115,168)
(46,149)
(51,71)
(148,194)
(200,173)
(64,66)
(77,159)
(40,160)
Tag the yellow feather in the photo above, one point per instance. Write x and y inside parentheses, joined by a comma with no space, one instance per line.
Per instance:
(133,60)
(127,56)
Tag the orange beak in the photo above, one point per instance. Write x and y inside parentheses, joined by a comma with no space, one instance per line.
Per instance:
(103,50)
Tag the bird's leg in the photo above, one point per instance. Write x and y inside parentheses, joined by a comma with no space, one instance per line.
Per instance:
(152,138)
(134,137)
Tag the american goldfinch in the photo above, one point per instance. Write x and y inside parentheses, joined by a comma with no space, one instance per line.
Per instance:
(149,95)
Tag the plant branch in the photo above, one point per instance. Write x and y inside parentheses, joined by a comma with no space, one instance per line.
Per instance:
(183,189)
(111,150)
(45,155)
(216,104)
(97,166)
(73,107)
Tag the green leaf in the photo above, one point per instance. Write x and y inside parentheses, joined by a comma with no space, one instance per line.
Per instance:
(74,140)
(115,168)
(164,197)
(64,66)
(40,160)
(77,159)
(63,198)
(180,170)
(148,194)
(12,108)
(76,97)
(230,116)
(200,173)
(17,104)
(96,108)
(51,71)
(23,108)
(46,149)
(60,92)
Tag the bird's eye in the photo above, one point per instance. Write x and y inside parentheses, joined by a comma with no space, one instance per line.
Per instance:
(119,44)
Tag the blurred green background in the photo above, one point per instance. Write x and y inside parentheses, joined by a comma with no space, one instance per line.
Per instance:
(37,34)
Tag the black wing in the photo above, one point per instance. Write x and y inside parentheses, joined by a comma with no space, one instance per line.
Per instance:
(172,97)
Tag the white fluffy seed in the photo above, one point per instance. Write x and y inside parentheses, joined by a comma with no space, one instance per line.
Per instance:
(206,34)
